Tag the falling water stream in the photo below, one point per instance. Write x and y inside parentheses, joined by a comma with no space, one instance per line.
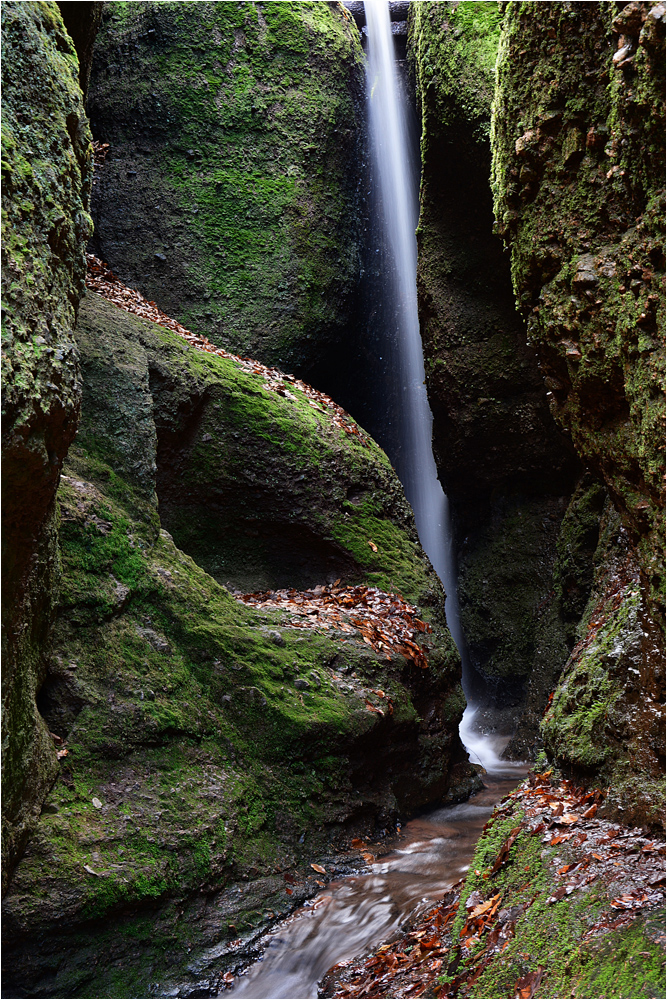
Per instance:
(433,851)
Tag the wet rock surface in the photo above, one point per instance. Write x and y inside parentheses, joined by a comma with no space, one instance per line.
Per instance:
(591,287)
(591,284)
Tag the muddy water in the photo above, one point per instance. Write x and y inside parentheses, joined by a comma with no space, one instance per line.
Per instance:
(353,914)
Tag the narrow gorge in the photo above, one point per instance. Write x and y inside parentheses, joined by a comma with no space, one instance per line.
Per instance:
(333,499)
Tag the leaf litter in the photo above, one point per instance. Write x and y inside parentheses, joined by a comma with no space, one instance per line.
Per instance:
(386,622)
(101,279)
(623,865)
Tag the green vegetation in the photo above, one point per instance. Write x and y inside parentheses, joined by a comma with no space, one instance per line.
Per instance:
(552,935)
(241,156)
(453,49)
(46,179)
(195,763)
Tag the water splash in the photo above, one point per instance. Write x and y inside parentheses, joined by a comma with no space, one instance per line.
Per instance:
(485,749)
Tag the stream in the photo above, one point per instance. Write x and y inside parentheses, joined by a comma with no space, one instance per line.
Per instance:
(354,914)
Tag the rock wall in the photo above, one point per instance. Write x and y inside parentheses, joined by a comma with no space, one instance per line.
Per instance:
(232,190)
(578,177)
(506,467)
(82,21)
(47,173)
(214,750)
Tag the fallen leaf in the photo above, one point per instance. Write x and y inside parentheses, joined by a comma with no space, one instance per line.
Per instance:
(558,838)
(526,987)
(357,843)
(567,819)
(590,812)
(505,849)
(97,803)
(319,868)
(373,546)
(289,891)
(484,907)
(62,753)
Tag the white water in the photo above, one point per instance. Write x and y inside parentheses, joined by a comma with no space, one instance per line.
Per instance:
(398,188)
(416,466)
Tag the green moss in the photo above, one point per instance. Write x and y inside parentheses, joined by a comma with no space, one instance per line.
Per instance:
(248,168)
(453,49)
(577,183)
(194,764)
(552,935)
(47,174)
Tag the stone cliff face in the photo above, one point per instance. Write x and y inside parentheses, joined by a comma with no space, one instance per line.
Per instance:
(47,173)
(578,179)
(506,467)
(213,746)
(231,192)
(578,176)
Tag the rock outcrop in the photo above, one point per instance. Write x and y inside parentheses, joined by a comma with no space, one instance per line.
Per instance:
(231,193)
(47,173)
(506,467)
(215,748)
(578,176)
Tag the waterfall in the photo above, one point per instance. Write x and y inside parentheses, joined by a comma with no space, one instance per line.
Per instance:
(398,187)
(415,465)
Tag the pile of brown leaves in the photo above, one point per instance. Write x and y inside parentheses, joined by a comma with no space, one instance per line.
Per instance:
(386,621)
(101,279)
(626,865)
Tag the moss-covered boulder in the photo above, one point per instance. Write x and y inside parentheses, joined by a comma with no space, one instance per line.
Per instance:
(506,467)
(578,177)
(46,175)
(214,748)
(231,192)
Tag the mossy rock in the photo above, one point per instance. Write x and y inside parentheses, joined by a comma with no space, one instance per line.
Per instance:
(553,936)
(196,768)
(46,175)
(231,193)
(606,722)
(261,488)
(507,468)
(578,178)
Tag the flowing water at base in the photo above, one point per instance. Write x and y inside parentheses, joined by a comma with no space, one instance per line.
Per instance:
(357,913)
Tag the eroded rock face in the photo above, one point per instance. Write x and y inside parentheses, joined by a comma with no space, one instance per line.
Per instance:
(231,193)
(214,751)
(47,176)
(607,717)
(506,467)
(579,188)
(578,174)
